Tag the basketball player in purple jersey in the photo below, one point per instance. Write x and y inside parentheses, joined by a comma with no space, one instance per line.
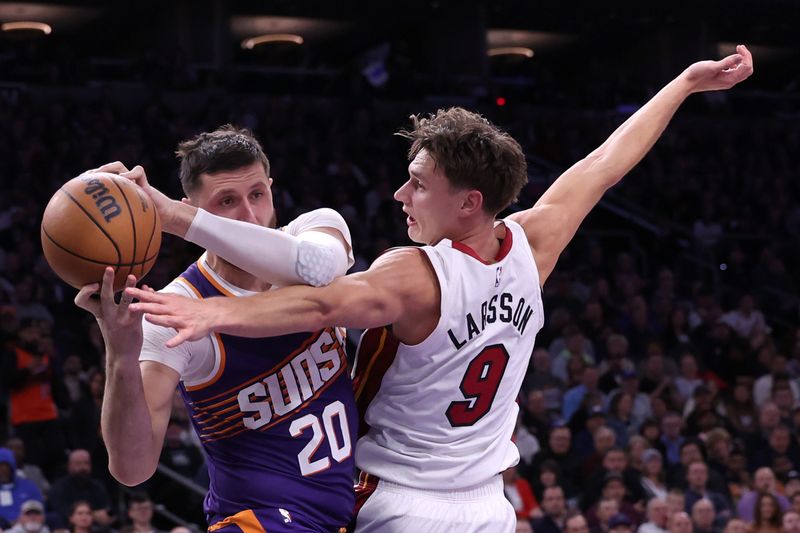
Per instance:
(276,416)
(452,323)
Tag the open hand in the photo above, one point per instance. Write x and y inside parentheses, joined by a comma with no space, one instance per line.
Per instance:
(191,318)
(722,74)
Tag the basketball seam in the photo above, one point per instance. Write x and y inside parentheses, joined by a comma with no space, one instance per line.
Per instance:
(107,263)
(89,215)
(133,222)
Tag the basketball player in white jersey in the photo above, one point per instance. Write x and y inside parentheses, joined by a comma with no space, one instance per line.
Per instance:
(453,323)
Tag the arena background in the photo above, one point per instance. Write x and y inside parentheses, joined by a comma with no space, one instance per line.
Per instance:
(671,260)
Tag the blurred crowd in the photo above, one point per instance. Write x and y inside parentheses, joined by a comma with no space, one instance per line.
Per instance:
(660,396)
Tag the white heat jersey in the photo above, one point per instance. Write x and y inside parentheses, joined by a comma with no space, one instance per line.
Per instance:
(440,414)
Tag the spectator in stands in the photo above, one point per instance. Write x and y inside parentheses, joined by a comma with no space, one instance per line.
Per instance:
(31,518)
(604,439)
(693,450)
(620,523)
(599,516)
(657,517)
(559,445)
(542,377)
(703,516)
(739,407)
(763,481)
(570,346)
(583,445)
(77,485)
(26,470)
(615,364)
(767,517)
(554,510)
(84,420)
(140,513)
(779,445)
(735,525)
(81,519)
(517,491)
(778,369)
(671,437)
(576,523)
(791,483)
(536,416)
(636,447)
(791,522)
(574,397)
(680,522)
(620,417)
(614,488)
(653,475)
(31,380)
(14,490)
(746,321)
(641,409)
(688,378)
(697,478)
(794,500)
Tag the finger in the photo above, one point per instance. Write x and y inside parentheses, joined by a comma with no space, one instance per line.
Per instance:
(107,290)
(115,168)
(146,296)
(125,299)
(730,62)
(166,321)
(85,301)
(137,175)
(182,336)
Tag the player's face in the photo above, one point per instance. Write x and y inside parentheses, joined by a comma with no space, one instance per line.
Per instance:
(241,194)
(431,203)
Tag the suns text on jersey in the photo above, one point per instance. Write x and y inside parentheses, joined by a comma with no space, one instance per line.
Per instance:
(500,307)
(293,383)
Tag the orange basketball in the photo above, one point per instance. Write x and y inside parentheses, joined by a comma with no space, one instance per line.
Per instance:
(98,220)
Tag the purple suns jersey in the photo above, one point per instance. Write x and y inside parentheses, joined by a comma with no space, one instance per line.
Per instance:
(277,421)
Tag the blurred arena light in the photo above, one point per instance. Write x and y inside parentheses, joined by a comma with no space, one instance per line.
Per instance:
(288,38)
(521,51)
(27,25)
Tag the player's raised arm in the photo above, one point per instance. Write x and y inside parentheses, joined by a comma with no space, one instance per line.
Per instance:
(553,221)
(398,286)
(138,400)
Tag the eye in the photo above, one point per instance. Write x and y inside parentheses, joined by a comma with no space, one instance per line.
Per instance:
(227,201)
(418,184)
(257,194)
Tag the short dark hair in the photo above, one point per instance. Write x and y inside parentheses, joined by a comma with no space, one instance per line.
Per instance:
(472,152)
(226,148)
(139,497)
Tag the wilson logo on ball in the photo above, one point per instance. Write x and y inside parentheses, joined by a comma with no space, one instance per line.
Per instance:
(106,203)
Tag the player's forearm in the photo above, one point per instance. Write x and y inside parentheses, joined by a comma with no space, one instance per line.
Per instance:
(290,310)
(126,424)
(272,255)
(637,135)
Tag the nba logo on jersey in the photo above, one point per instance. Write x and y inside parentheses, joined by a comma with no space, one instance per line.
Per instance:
(287,516)
(497,275)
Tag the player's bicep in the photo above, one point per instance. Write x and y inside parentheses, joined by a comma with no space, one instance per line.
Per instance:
(391,288)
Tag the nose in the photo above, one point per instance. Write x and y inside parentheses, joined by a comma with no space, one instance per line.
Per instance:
(402,192)
(248,213)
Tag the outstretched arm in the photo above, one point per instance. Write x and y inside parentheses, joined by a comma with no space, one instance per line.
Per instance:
(398,285)
(553,221)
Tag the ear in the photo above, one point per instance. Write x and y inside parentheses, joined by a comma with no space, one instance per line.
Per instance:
(472,202)
(187,201)
(269,182)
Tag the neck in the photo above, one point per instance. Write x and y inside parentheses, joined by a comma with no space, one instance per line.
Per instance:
(235,275)
(483,237)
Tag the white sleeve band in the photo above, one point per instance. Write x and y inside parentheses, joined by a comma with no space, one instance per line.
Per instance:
(312,258)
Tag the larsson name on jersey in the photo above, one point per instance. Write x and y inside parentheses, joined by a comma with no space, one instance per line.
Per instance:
(500,307)
(291,385)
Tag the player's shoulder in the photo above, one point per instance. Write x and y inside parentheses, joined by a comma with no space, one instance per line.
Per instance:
(324,217)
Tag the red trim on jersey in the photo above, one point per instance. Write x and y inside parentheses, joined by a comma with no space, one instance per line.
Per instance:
(375,355)
(367,483)
(505,247)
